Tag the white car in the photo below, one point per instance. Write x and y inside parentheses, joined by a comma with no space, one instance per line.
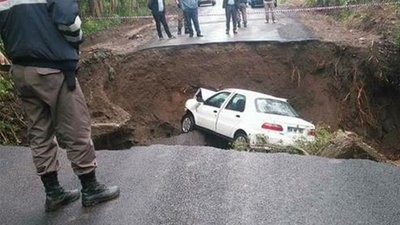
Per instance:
(244,116)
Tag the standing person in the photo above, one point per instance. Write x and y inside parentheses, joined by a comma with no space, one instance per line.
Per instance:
(44,53)
(181,20)
(230,7)
(242,12)
(190,8)
(157,8)
(269,9)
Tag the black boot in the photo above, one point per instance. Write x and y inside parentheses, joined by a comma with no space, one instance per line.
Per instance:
(94,193)
(179,31)
(56,196)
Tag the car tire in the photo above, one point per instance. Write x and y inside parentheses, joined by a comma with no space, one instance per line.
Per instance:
(241,137)
(187,124)
(252,5)
(214,3)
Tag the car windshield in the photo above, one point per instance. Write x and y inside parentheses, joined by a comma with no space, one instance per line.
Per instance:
(277,107)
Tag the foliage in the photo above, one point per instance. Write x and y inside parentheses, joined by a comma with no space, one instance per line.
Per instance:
(91,25)
(322,139)
(11,119)
(397,35)
(262,144)
(341,2)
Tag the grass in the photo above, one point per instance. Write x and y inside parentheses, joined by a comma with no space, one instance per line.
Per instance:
(90,25)
(322,139)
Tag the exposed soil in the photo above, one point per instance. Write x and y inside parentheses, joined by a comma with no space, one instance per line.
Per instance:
(340,87)
(348,81)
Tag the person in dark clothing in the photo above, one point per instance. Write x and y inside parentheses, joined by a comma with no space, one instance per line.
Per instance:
(157,8)
(230,7)
(44,51)
(190,8)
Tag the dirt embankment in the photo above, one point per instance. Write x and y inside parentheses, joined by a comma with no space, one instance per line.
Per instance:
(336,86)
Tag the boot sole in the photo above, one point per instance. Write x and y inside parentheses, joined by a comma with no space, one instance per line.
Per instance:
(95,202)
(56,207)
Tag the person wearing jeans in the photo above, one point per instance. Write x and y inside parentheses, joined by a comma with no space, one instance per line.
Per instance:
(190,8)
(241,12)
(230,7)
(269,9)
(157,8)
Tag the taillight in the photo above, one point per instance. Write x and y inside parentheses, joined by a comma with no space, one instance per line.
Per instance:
(312,133)
(274,127)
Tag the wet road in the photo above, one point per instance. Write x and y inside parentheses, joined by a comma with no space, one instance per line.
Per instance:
(200,185)
(286,29)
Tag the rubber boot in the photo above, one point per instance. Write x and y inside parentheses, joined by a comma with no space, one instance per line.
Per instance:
(94,193)
(56,196)
(179,31)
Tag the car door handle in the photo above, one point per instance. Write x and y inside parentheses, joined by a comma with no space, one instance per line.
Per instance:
(215,111)
(238,116)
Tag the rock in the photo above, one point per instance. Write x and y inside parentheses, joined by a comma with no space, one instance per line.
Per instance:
(349,146)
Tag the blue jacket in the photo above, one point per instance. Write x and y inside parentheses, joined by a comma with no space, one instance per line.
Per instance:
(42,33)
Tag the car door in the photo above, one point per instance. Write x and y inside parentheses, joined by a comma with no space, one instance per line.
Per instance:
(231,115)
(207,113)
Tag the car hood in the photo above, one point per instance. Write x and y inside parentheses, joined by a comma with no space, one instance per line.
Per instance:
(204,94)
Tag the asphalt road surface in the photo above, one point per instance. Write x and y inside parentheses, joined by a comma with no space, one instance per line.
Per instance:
(201,185)
(213,27)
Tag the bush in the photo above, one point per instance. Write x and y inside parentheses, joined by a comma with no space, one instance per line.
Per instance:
(11,119)
(322,139)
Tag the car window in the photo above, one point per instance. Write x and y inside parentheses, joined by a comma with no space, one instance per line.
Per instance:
(217,100)
(237,103)
(277,107)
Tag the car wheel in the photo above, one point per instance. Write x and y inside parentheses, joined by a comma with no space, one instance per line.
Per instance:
(241,138)
(252,5)
(214,3)
(187,123)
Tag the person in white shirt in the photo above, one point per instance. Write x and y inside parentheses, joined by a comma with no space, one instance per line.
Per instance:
(231,7)
(157,8)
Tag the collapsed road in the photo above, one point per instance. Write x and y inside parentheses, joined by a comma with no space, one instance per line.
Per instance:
(201,185)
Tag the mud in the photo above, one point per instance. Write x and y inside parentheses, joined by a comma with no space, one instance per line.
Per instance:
(330,85)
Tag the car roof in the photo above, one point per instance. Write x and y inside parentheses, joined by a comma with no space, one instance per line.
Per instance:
(253,94)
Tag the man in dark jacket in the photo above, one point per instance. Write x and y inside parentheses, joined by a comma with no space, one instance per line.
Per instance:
(157,8)
(41,37)
(230,7)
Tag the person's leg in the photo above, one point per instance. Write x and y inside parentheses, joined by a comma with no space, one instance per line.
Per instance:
(228,19)
(156,17)
(244,14)
(234,18)
(34,89)
(180,22)
(238,16)
(266,7)
(73,128)
(196,22)
(189,21)
(271,8)
(165,24)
